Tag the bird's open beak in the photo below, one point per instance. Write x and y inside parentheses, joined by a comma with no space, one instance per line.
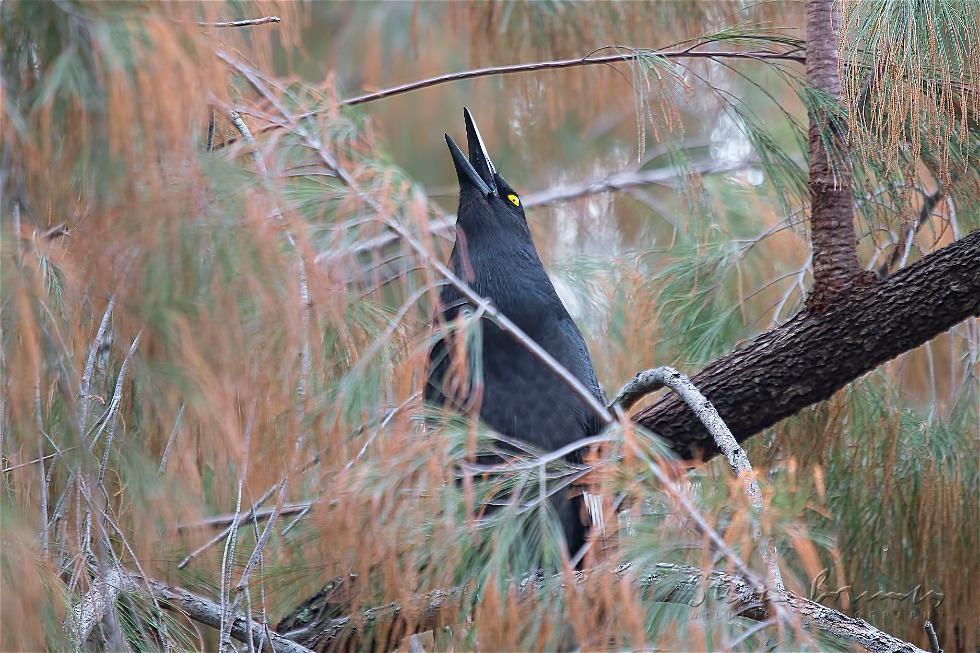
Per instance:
(478,169)
(464,170)
(478,152)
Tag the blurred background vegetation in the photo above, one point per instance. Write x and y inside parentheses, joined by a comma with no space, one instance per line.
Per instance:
(193,325)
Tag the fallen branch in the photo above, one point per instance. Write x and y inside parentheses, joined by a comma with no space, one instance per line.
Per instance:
(104,592)
(666,582)
(95,604)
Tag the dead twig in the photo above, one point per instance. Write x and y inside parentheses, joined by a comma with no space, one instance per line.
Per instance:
(171,439)
(249,22)
(933,639)
(792,55)
(219,521)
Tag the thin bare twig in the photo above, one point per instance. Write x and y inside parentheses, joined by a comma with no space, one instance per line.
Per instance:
(249,22)
(171,439)
(209,140)
(223,534)
(219,521)
(44,489)
(113,411)
(570,63)
(90,367)
(588,60)
(228,555)
(305,353)
(626,181)
(36,460)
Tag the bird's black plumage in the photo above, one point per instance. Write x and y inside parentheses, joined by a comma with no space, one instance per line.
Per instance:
(495,254)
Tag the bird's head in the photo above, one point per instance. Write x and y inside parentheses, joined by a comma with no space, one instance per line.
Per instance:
(486,201)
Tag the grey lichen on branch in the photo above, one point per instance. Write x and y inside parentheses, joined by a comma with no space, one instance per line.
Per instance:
(667,377)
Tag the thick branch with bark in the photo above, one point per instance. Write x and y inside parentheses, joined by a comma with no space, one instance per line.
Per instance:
(832,236)
(814,354)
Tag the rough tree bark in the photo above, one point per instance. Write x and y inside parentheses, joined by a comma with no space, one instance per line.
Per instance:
(834,243)
(808,358)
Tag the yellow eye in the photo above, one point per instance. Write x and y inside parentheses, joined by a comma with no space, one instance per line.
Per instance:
(513,198)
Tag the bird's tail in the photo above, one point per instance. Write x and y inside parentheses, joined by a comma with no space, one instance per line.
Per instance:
(574,518)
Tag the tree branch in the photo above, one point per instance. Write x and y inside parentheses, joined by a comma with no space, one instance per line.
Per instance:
(665,582)
(104,592)
(510,69)
(208,612)
(250,22)
(832,236)
(812,355)
(444,226)
(587,60)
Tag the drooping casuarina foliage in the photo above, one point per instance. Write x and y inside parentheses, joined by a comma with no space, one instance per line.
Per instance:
(225,229)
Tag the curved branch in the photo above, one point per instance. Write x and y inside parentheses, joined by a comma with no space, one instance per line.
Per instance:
(668,377)
(569,63)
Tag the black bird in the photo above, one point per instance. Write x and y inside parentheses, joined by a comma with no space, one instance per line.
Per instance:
(521,398)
